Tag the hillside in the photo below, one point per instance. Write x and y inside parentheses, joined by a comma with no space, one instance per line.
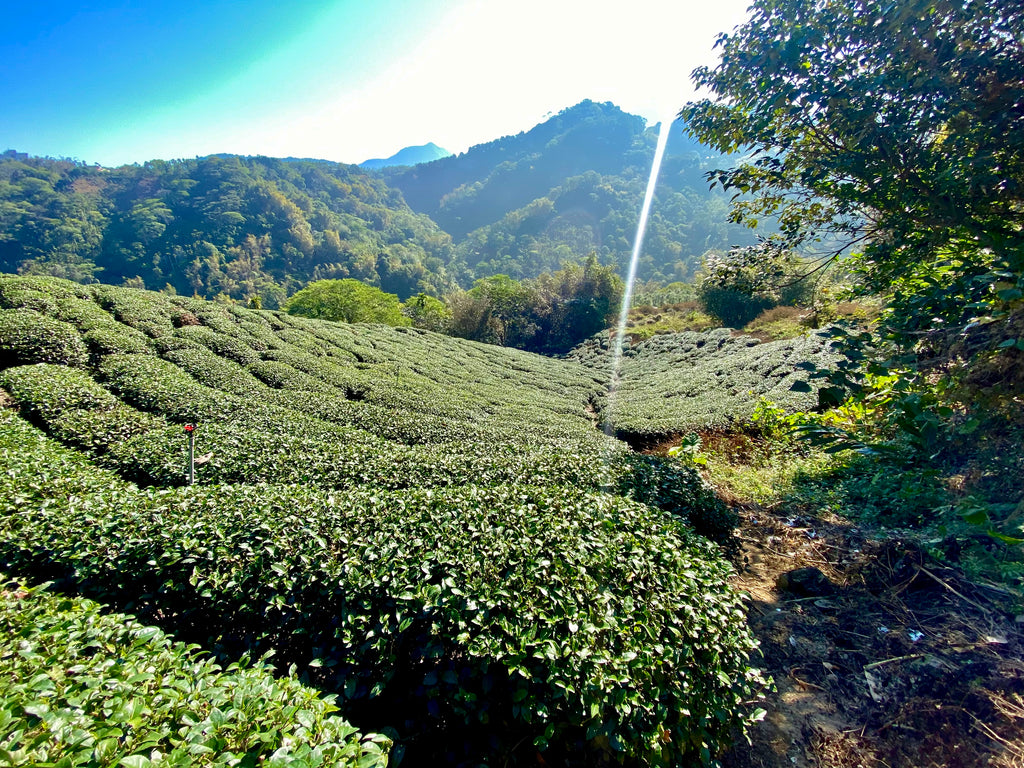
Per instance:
(257,228)
(524,204)
(240,227)
(677,383)
(436,531)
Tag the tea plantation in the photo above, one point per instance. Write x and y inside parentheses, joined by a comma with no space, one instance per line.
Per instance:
(683,382)
(436,533)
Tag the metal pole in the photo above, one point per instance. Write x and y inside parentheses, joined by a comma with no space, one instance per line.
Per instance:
(190,429)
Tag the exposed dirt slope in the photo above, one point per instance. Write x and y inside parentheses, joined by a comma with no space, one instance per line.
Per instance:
(897,662)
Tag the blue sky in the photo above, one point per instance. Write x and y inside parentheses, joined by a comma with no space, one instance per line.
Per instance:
(123,81)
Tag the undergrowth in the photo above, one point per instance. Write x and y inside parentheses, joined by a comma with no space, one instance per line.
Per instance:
(963,507)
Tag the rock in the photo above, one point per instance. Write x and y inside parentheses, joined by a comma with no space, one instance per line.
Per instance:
(807,582)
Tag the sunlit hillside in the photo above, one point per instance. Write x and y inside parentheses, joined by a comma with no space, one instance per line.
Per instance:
(438,532)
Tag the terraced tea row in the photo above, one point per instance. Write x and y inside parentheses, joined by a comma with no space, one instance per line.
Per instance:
(401,384)
(683,382)
(573,621)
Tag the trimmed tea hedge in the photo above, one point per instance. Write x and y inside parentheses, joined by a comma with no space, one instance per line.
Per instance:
(584,624)
(142,310)
(418,387)
(679,382)
(72,407)
(41,294)
(277,446)
(29,337)
(83,687)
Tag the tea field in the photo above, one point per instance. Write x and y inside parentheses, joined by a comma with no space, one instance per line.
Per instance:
(674,383)
(435,533)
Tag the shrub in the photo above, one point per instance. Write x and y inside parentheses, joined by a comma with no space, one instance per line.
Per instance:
(29,337)
(214,371)
(280,375)
(85,687)
(142,310)
(117,339)
(348,301)
(40,294)
(85,314)
(195,312)
(16,295)
(229,347)
(777,323)
(731,307)
(72,407)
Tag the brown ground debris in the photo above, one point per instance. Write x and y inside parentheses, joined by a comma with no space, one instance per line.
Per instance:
(905,664)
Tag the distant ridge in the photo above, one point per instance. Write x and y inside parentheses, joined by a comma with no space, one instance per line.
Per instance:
(408,156)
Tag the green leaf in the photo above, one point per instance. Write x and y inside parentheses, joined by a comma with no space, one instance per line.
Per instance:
(1010,294)
(1011,540)
(976,517)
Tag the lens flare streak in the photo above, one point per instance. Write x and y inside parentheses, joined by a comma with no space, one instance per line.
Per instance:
(627,296)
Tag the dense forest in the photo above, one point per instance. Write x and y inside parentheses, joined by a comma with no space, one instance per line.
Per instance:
(245,228)
(526,204)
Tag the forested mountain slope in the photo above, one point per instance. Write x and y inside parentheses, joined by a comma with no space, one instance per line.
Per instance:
(243,227)
(259,228)
(524,204)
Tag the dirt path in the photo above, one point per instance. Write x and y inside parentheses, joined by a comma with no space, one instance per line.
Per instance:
(893,662)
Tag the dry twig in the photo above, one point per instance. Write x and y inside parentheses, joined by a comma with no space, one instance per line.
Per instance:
(926,572)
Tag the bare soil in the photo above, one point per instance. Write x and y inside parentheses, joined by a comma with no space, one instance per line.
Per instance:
(902,664)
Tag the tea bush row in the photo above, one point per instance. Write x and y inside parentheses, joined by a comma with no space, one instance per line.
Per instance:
(82,687)
(582,623)
(676,383)
(419,387)
(29,337)
(40,294)
(137,309)
(495,428)
(290,448)
(161,387)
(72,407)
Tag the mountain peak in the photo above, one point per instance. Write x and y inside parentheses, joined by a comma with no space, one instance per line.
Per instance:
(423,153)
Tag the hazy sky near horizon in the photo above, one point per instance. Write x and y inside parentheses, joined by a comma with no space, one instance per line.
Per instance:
(125,81)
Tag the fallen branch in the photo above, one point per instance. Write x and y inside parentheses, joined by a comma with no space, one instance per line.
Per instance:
(804,683)
(926,572)
(875,664)
(1014,749)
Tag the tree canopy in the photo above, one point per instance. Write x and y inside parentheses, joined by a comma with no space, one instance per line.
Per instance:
(227,226)
(896,127)
(347,301)
(550,314)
